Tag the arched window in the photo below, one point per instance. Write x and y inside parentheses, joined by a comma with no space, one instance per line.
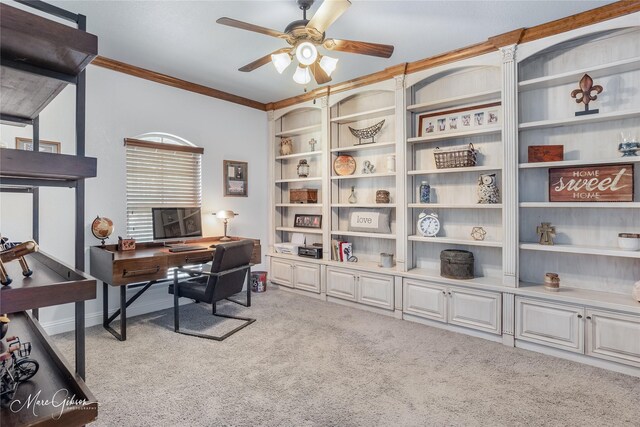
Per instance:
(162,170)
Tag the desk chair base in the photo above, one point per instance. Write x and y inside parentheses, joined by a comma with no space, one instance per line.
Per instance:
(176,324)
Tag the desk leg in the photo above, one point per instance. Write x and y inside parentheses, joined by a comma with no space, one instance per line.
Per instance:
(249,288)
(80,343)
(123,312)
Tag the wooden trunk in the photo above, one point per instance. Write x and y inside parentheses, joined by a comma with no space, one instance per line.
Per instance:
(545,153)
(609,183)
(303,195)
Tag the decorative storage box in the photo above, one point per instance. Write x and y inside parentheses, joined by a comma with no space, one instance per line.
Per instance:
(303,195)
(456,264)
(455,157)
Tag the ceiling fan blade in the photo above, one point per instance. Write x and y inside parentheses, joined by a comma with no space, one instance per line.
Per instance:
(327,13)
(262,61)
(319,74)
(250,27)
(363,48)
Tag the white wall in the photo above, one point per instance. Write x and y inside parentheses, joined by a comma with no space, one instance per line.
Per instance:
(120,106)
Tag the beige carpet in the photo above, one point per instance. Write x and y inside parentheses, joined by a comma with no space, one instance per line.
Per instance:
(310,363)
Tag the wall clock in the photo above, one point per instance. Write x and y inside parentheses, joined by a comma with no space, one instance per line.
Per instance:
(428,224)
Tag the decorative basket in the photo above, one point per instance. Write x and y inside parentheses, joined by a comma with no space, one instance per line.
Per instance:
(455,157)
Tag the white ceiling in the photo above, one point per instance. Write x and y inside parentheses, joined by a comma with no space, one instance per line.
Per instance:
(182,39)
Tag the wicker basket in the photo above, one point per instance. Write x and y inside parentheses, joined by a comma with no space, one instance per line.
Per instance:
(455,157)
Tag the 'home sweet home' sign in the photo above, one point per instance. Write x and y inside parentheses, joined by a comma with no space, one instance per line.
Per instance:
(609,183)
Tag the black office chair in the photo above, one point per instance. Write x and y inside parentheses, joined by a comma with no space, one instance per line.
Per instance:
(230,270)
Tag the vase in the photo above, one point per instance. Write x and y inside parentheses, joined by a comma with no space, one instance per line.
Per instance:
(352,197)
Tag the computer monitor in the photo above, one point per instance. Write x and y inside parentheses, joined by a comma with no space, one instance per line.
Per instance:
(176,223)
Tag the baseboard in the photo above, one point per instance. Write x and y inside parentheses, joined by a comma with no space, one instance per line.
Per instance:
(452,328)
(581,358)
(155,299)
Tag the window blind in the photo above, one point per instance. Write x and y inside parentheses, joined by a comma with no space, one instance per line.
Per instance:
(159,174)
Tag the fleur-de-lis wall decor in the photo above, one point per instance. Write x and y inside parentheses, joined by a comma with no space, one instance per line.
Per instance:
(583,94)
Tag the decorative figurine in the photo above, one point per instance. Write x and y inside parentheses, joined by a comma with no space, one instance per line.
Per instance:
(583,94)
(286,146)
(365,133)
(17,252)
(552,282)
(488,192)
(547,232)
(368,167)
(303,168)
(15,369)
(352,197)
(312,143)
(478,233)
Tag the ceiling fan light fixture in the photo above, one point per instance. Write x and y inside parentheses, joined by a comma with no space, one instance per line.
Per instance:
(281,61)
(306,53)
(328,64)
(302,75)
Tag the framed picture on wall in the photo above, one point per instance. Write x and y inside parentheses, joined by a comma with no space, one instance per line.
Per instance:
(45,146)
(235,178)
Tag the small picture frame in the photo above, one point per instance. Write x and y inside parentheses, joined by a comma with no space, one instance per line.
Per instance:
(235,178)
(492,117)
(307,221)
(478,118)
(45,146)
(465,120)
(453,123)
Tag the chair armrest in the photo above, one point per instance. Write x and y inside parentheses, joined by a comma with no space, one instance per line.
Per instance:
(231,270)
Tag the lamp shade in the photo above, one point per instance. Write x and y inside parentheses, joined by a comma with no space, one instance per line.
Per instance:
(306,53)
(302,75)
(225,214)
(328,64)
(281,61)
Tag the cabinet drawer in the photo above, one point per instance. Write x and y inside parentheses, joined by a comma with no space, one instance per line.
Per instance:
(475,309)
(375,290)
(307,277)
(139,270)
(281,272)
(555,325)
(181,260)
(613,336)
(424,300)
(341,284)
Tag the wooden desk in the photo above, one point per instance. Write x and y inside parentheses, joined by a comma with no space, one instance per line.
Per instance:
(150,263)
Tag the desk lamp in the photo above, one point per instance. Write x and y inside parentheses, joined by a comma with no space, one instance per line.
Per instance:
(225,216)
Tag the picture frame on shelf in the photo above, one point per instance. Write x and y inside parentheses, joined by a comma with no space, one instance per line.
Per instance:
(460,119)
(44,147)
(307,221)
(236,178)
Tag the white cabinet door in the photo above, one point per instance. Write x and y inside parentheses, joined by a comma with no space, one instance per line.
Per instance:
(341,284)
(282,272)
(375,290)
(307,277)
(550,324)
(613,336)
(475,309)
(425,300)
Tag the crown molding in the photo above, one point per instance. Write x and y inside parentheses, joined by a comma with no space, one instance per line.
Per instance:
(122,67)
(521,35)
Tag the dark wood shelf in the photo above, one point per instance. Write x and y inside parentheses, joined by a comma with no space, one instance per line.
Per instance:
(49,383)
(39,58)
(51,283)
(49,166)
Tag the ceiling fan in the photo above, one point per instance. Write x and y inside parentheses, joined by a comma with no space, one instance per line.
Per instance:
(303,37)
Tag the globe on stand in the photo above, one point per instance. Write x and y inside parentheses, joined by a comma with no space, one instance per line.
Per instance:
(102,228)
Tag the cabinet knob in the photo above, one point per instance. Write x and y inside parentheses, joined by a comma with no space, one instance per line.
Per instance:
(579,316)
(449,293)
(589,317)
(444,292)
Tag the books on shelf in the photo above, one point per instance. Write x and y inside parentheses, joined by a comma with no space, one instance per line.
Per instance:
(341,251)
